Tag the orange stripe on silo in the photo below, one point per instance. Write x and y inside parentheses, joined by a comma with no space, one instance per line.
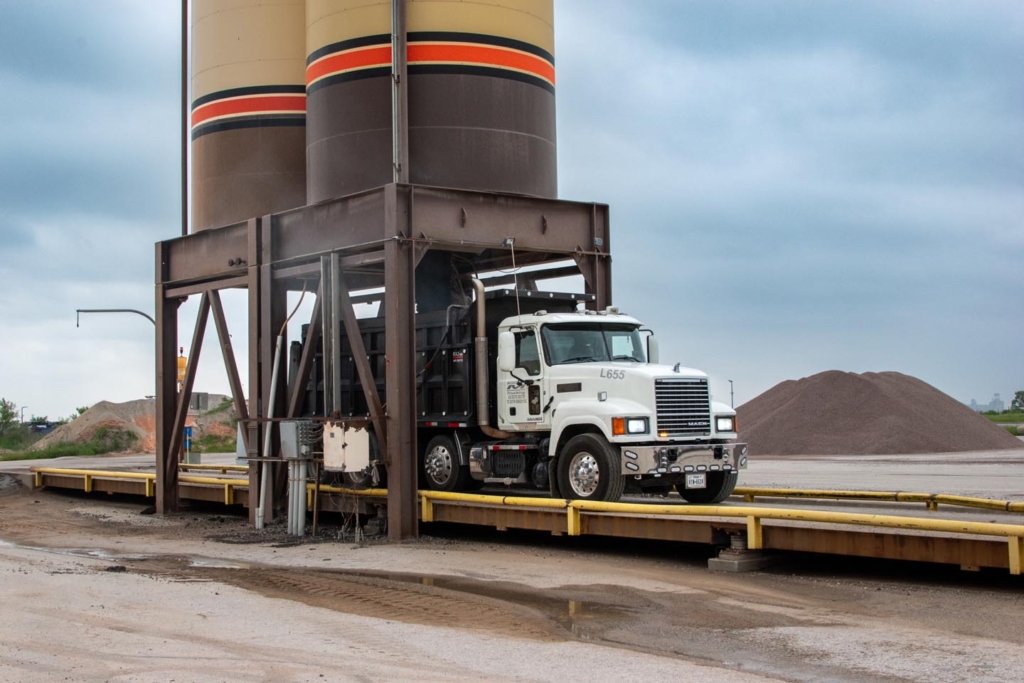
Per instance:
(460,53)
(249,106)
(348,60)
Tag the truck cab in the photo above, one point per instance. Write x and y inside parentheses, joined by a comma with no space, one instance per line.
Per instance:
(588,388)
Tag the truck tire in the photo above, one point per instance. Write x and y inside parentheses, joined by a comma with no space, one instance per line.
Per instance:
(590,469)
(441,468)
(720,486)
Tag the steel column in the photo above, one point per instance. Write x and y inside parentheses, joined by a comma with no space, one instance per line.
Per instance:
(166,390)
(273,302)
(255,370)
(400,354)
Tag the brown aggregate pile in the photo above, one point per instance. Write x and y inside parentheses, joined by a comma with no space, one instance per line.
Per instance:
(138,417)
(874,413)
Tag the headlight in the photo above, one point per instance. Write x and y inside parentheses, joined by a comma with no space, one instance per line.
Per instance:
(629,425)
(725,424)
(636,425)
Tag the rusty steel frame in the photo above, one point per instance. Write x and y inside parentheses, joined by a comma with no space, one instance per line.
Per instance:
(376,237)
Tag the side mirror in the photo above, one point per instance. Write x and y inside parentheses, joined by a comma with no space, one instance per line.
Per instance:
(506,352)
(652,350)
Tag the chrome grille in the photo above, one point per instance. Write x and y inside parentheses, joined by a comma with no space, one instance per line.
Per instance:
(684,407)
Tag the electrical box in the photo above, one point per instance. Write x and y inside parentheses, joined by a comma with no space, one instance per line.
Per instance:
(297,438)
(346,448)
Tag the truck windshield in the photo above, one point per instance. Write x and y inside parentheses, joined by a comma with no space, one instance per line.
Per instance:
(592,342)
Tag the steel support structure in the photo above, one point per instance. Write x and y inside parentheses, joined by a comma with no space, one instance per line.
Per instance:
(369,242)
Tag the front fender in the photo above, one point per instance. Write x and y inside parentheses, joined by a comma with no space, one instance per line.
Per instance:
(597,414)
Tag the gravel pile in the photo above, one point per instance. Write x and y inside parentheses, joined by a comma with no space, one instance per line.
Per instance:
(874,413)
(138,417)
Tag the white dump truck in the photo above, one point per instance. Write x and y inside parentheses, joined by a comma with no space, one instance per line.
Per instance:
(528,390)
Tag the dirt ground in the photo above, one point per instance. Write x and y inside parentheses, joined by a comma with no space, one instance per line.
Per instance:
(93,590)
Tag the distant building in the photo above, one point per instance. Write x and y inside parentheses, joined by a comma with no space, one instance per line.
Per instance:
(995,405)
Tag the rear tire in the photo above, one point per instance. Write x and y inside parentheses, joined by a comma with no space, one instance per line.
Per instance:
(441,468)
(720,487)
(589,468)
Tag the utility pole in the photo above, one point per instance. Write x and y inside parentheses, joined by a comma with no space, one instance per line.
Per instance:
(732,402)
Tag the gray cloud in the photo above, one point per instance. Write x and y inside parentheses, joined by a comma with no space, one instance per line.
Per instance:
(795,186)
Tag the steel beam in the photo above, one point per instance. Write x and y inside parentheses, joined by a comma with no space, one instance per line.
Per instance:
(308,355)
(185,395)
(400,363)
(208,286)
(230,365)
(362,362)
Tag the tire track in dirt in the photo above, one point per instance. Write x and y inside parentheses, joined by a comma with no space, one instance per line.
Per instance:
(385,599)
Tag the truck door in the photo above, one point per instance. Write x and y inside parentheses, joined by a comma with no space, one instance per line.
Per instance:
(521,393)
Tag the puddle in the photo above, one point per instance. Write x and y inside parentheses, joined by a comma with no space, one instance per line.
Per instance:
(205,562)
(111,556)
(90,553)
(585,619)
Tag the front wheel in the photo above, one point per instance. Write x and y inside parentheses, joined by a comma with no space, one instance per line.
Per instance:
(589,469)
(441,466)
(720,486)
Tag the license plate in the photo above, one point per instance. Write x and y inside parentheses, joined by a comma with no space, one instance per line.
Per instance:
(696,481)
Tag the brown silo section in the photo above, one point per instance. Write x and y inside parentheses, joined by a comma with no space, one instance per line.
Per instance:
(481,95)
(248,109)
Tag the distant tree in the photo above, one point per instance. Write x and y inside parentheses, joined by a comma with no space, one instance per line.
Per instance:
(1017,404)
(39,419)
(8,417)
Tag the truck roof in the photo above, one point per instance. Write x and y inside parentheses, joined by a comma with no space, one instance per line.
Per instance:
(543,317)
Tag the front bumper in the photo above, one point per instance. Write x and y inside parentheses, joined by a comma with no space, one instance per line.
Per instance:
(669,460)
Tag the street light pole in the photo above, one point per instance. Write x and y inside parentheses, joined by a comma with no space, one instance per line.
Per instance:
(732,403)
(23,414)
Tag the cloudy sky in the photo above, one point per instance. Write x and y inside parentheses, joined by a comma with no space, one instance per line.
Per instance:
(795,187)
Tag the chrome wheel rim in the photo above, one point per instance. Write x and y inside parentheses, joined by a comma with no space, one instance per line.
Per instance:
(584,474)
(439,465)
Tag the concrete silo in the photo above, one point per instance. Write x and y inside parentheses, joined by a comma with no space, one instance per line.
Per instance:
(481,95)
(248,118)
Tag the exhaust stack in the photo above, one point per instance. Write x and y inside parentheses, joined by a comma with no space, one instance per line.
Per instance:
(482,383)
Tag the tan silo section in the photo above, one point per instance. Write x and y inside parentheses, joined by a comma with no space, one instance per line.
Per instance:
(481,95)
(248,109)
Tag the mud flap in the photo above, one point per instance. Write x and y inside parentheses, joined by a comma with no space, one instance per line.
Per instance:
(553,488)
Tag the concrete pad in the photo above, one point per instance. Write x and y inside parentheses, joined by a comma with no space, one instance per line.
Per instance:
(736,562)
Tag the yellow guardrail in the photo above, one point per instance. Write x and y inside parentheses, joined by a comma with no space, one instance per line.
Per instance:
(1014,533)
(149,477)
(223,469)
(753,516)
(931,500)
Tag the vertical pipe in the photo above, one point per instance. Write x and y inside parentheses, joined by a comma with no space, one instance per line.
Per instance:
(184,117)
(268,433)
(300,499)
(399,94)
(335,333)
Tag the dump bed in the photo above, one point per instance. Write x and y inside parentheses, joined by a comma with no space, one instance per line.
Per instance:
(445,369)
